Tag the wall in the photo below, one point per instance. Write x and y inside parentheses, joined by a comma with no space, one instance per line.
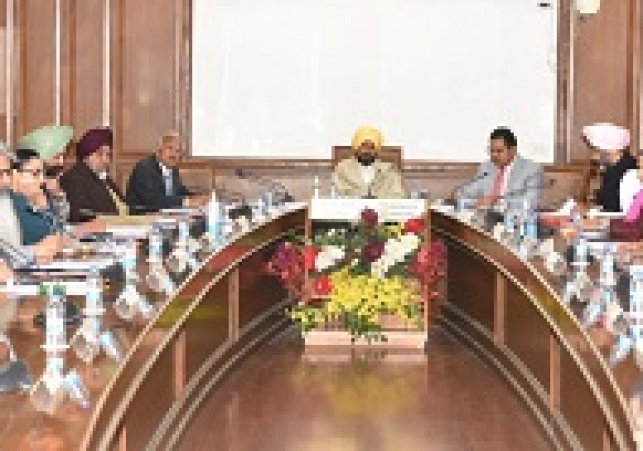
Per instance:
(142,87)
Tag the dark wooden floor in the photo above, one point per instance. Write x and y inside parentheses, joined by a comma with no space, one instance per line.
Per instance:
(281,399)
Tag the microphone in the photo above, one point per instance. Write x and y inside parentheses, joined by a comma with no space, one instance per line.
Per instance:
(272,184)
(470,182)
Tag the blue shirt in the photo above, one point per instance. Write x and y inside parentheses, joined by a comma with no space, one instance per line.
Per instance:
(35,224)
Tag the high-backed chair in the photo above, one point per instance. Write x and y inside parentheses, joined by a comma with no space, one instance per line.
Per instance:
(391,154)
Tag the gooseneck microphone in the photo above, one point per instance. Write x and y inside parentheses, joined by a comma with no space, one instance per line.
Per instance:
(463,185)
(273,185)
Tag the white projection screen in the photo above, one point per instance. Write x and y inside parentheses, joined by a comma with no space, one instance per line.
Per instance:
(291,78)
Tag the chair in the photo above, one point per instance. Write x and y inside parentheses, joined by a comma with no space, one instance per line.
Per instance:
(391,154)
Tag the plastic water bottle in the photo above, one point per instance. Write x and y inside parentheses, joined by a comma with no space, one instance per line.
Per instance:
(130,258)
(580,252)
(155,250)
(607,278)
(184,233)
(316,187)
(531,225)
(333,191)
(214,219)
(55,320)
(94,295)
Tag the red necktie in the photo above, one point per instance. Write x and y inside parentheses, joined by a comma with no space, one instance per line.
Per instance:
(497,186)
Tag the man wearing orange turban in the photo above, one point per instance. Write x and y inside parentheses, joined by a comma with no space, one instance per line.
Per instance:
(365,175)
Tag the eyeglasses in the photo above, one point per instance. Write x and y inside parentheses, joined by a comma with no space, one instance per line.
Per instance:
(36,173)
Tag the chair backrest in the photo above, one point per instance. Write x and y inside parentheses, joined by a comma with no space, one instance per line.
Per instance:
(569,181)
(391,154)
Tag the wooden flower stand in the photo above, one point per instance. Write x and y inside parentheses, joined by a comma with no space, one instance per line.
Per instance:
(400,334)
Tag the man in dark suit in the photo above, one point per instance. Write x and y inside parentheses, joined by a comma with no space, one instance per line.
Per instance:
(155,182)
(89,189)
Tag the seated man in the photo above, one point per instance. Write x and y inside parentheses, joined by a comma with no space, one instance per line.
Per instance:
(364,175)
(613,142)
(155,182)
(89,189)
(506,175)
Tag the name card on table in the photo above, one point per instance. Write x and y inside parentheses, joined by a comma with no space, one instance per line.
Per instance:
(349,209)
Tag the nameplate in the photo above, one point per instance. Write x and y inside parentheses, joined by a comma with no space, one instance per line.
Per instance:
(393,210)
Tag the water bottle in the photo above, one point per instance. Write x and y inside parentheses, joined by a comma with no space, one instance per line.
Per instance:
(268,203)
(55,320)
(621,349)
(130,259)
(580,252)
(155,248)
(94,295)
(333,191)
(184,233)
(214,219)
(607,278)
(316,187)
(530,224)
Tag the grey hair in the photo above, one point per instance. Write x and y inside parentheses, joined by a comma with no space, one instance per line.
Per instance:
(4,150)
(170,134)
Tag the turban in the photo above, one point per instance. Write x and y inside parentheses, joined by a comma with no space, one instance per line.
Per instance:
(607,136)
(366,133)
(48,141)
(93,140)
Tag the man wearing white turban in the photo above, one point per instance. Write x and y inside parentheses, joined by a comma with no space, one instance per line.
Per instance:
(364,175)
(613,141)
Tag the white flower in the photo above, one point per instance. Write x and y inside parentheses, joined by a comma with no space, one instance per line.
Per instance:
(328,257)
(409,242)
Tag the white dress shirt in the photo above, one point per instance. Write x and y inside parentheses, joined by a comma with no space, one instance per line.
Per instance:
(367,173)
(629,188)
(167,178)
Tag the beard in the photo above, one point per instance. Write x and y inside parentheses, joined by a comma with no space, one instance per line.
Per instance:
(365,159)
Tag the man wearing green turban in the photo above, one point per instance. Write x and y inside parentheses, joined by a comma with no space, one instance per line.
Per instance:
(364,175)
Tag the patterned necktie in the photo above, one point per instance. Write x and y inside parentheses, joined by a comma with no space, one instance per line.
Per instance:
(634,211)
(497,186)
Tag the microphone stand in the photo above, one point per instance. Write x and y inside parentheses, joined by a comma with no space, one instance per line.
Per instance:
(278,188)
(14,375)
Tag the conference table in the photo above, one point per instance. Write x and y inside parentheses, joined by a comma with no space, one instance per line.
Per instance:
(507,309)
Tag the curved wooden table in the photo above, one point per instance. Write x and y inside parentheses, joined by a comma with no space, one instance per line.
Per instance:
(510,313)
(217,315)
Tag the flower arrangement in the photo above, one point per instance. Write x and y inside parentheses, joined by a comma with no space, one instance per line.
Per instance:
(359,274)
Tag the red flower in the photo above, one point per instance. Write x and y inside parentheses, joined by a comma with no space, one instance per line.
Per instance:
(323,285)
(310,253)
(372,251)
(369,218)
(414,225)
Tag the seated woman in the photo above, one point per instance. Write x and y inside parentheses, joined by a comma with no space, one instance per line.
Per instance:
(30,203)
(364,175)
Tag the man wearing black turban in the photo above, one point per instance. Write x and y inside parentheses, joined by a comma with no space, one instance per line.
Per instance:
(89,189)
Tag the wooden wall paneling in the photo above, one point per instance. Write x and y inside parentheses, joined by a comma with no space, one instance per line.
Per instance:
(634,73)
(37,23)
(87,73)
(68,24)
(148,58)
(565,88)
(600,71)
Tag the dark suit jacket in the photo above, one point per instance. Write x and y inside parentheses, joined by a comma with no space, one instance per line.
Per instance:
(608,195)
(34,224)
(86,191)
(146,187)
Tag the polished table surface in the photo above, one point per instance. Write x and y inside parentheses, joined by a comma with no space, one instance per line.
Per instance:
(218,312)
(507,309)
(510,311)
